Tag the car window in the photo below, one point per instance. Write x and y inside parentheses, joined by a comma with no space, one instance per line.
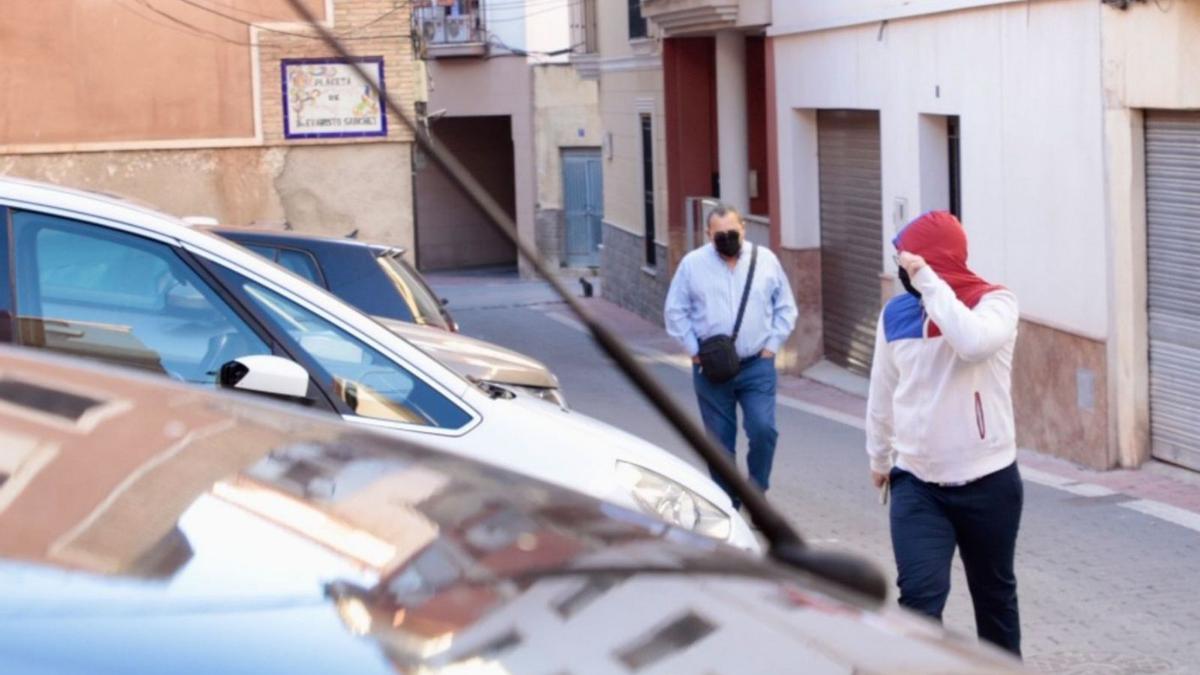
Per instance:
(369,383)
(424,305)
(92,291)
(265,251)
(301,264)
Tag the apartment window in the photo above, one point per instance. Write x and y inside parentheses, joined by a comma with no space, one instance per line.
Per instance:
(637,22)
(953,159)
(648,188)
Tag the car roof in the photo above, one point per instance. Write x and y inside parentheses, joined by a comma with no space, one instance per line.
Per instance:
(284,237)
(155,503)
(83,204)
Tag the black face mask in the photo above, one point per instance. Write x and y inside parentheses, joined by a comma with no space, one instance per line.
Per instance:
(728,243)
(908,283)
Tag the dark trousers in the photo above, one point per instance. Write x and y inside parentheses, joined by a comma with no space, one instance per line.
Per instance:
(981,518)
(754,390)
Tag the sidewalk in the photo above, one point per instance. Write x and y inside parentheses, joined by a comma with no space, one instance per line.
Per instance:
(1157,489)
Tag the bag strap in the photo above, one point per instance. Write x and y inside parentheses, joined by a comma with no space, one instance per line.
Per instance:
(746,291)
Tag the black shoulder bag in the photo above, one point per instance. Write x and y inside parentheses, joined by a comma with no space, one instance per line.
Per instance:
(719,361)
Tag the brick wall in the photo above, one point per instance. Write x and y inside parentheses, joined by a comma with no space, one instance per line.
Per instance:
(626,281)
(371,28)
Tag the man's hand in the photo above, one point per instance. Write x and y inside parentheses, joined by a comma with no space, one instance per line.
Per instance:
(878,479)
(911,262)
(767,353)
(696,360)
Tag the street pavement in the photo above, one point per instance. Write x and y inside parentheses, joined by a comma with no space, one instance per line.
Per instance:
(1108,564)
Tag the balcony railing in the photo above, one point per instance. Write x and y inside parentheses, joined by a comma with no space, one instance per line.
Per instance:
(450,28)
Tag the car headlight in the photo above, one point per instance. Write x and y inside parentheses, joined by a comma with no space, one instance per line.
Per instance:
(662,497)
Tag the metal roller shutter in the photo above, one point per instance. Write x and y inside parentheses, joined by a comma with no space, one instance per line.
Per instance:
(1173,248)
(851,234)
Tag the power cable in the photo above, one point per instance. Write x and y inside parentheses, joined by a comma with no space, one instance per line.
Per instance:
(189,28)
(545,10)
(251,24)
(403,5)
(251,12)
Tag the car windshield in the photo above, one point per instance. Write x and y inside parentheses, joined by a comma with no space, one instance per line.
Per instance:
(425,307)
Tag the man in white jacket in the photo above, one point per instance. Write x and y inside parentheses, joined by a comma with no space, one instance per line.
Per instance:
(940,429)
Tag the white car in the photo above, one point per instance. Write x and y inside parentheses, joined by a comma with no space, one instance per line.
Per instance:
(106,278)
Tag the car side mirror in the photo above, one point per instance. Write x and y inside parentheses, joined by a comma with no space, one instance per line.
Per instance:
(265,374)
(445,301)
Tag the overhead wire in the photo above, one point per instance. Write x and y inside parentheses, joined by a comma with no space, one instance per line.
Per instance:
(251,24)
(545,10)
(251,12)
(176,24)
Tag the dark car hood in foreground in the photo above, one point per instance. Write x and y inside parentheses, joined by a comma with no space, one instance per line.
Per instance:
(148,527)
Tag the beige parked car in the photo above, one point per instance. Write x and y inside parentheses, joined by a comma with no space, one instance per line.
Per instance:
(480,360)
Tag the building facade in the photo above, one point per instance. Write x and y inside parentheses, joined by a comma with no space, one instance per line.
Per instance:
(620,50)
(229,111)
(1063,133)
(505,99)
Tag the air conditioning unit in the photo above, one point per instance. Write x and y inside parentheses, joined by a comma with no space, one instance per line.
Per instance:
(458,29)
(433,27)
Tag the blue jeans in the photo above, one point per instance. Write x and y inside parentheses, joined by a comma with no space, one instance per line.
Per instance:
(754,389)
(981,518)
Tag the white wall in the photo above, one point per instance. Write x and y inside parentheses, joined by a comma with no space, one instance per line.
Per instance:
(1150,57)
(790,16)
(532,26)
(548,29)
(1025,81)
(505,22)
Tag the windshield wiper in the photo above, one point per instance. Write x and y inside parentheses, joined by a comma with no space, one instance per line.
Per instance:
(784,543)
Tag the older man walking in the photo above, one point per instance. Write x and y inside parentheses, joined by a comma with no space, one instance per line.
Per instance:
(731,308)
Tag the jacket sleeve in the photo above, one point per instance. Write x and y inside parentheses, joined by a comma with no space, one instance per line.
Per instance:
(974,334)
(884,376)
(677,314)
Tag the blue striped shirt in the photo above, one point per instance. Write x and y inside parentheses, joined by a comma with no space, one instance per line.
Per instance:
(705,293)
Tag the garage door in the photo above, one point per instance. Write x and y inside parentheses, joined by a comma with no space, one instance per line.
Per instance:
(1173,247)
(452,232)
(851,234)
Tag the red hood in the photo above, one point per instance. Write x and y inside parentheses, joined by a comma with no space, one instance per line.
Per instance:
(940,239)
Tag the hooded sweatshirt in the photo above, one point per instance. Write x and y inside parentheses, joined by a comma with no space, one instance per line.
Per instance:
(940,403)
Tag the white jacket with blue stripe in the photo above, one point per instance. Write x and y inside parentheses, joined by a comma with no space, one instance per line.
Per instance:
(940,403)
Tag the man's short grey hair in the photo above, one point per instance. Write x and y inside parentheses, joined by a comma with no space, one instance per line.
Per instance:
(720,211)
